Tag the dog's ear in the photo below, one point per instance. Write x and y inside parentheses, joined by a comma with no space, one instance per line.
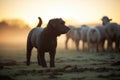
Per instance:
(52,23)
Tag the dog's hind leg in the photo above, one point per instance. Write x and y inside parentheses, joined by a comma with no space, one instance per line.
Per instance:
(28,53)
(29,49)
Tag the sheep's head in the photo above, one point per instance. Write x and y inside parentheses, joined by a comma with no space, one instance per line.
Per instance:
(105,20)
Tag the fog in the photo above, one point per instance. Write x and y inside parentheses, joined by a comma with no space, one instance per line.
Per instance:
(13,33)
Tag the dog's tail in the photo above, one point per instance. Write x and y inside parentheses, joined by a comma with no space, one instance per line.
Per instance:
(40,22)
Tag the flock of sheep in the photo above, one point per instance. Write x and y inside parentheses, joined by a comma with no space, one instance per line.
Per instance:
(95,37)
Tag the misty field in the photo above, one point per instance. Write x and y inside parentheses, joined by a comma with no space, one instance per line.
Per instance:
(70,65)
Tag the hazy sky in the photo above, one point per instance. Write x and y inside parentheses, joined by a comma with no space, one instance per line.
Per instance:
(82,11)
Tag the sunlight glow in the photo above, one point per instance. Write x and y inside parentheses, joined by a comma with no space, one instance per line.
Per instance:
(74,12)
(79,11)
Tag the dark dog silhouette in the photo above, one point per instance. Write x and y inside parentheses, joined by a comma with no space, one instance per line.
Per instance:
(45,40)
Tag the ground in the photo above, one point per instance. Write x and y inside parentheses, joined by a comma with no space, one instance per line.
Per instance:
(70,65)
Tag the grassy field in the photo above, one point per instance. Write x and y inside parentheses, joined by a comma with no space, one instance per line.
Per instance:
(70,65)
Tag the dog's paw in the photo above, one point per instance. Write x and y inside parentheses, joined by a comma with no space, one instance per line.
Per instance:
(28,63)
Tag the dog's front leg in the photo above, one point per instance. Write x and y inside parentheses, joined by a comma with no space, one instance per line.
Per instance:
(42,58)
(52,58)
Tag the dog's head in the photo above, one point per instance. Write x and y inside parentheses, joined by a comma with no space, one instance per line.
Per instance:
(58,26)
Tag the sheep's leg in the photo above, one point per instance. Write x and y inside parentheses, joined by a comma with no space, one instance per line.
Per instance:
(86,45)
(66,42)
(83,46)
(89,47)
(102,45)
(97,47)
(110,45)
(117,45)
(77,45)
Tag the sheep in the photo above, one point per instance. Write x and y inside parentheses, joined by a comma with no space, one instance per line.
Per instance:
(105,20)
(117,40)
(93,38)
(74,34)
(118,36)
(102,38)
(112,33)
(83,32)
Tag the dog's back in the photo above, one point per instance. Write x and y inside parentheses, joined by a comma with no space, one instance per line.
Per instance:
(34,35)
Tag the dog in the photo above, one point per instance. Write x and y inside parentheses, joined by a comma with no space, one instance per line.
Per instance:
(45,40)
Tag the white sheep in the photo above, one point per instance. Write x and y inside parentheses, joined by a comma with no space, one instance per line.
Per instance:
(112,32)
(102,38)
(93,37)
(74,34)
(83,32)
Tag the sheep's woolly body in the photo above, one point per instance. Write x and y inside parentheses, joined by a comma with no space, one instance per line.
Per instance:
(84,31)
(93,37)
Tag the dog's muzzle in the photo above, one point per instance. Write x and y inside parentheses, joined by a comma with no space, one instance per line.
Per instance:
(63,30)
(67,29)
